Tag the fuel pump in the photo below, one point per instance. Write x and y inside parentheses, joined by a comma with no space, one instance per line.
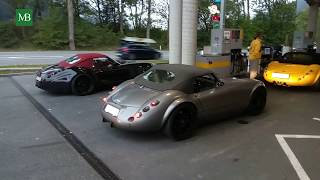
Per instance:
(224,55)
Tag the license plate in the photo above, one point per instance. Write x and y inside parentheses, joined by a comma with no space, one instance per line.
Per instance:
(38,78)
(112,110)
(280,75)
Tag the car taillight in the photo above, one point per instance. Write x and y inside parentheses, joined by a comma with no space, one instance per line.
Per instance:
(154,103)
(104,99)
(146,109)
(138,115)
(125,49)
(131,119)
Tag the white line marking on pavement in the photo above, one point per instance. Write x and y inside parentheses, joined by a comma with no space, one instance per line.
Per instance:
(316,119)
(291,156)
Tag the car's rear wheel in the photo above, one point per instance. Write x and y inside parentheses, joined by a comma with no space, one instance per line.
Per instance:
(82,85)
(181,122)
(132,56)
(316,86)
(257,102)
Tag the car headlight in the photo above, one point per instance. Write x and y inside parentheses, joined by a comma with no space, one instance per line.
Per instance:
(52,72)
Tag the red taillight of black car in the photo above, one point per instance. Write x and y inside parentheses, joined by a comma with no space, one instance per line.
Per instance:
(125,49)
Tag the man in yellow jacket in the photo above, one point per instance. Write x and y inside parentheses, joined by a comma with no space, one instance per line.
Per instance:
(255,53)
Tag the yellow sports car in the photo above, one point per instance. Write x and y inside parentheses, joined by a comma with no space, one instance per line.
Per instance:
(295,69)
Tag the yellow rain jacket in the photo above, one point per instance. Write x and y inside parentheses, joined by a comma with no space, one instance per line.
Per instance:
(255,49)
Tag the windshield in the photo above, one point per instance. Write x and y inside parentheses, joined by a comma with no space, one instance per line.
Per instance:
(73,59)
(300,58)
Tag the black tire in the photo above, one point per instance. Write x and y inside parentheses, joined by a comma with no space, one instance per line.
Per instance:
(82,85)
(257,102)
(132,57)
(181,122)
(316,86)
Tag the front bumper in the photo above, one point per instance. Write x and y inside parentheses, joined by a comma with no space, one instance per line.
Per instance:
(52,86)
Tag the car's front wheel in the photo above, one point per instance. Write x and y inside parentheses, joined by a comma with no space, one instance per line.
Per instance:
(257,102)
(181,122)
(82,85)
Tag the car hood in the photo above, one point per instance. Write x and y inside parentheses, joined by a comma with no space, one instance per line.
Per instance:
(51,68)
(291,68)
(134,95)
(64,64)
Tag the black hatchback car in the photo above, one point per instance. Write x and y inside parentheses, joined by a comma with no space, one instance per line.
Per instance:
(138,52)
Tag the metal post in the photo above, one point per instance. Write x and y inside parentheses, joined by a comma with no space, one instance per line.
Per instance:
(222,16)
(175,31)
(313,18)
(189,31)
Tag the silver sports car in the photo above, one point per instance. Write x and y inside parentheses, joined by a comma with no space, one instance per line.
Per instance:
(172,98)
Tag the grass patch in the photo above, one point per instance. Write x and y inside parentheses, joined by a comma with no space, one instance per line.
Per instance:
(155,61)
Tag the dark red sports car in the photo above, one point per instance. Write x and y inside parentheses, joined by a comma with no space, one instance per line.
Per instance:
(83,73)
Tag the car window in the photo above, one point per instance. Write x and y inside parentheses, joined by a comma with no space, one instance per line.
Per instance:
(300,58)
(159,76)
(103,60)
(134,47)
(73,59)
(141,47)
(205,82)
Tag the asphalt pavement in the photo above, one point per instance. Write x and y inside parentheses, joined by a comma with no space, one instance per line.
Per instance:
(30,146)
(242,148)
(48,57)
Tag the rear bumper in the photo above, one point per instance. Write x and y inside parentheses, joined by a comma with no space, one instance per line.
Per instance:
(143,124)
(306,81)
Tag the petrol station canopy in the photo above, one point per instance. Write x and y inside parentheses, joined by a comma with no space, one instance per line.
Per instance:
(313,2)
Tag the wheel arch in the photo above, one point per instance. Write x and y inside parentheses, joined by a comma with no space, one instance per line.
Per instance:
(176,103)
(86,72)
(79,74)
(317,77)
(258,87)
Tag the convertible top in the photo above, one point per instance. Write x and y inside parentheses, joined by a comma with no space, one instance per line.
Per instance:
(182,81)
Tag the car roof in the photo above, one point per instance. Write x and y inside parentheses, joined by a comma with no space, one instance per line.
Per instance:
(316,55)
(139,40)
(187,70)
(136,44)
(90,55)
(184,74)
